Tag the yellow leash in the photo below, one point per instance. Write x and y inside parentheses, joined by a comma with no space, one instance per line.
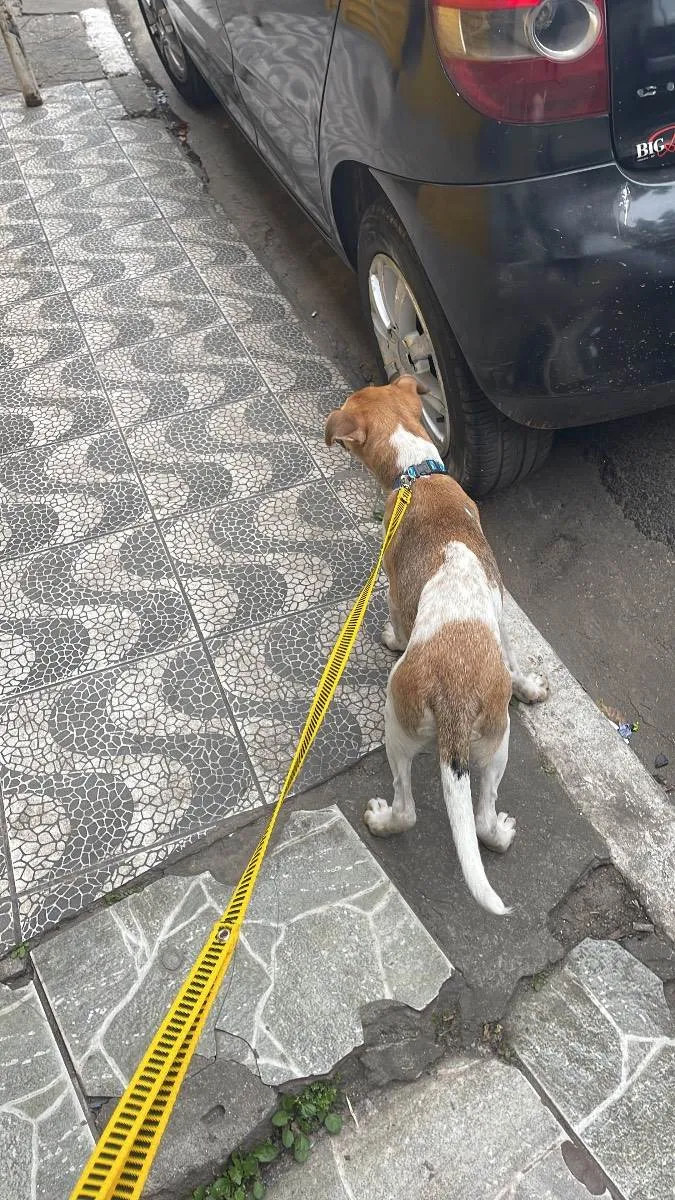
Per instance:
(121,1160)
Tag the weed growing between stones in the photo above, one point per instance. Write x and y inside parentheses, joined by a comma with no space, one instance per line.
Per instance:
(296,1118)
(493,1035)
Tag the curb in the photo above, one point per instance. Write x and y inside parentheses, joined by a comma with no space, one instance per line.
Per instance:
(604,779)
(105,39)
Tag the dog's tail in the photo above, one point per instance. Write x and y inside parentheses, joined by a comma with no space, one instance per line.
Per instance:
(454,735)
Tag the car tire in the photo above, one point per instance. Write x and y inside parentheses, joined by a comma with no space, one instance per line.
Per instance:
(486,450)
(175,58)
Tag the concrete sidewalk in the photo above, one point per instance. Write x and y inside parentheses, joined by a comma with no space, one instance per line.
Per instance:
(177,550)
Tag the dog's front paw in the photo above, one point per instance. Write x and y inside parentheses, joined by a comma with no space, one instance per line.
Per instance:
(389,639)
(378,816)
(530,689)
(500,834)
(380,819)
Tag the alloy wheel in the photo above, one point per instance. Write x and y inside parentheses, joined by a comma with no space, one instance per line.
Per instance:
(405,343)
(164,35)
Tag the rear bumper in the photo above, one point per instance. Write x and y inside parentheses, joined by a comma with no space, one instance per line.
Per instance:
(560,290)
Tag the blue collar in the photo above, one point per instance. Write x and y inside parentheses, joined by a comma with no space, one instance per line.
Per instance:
(430,466)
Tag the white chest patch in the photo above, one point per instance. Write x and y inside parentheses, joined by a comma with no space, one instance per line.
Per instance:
(459,591)
(411,449)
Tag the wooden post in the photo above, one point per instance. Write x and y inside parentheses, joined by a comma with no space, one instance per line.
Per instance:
(17,57)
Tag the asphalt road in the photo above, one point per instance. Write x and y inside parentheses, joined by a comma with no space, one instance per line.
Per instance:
(587,546)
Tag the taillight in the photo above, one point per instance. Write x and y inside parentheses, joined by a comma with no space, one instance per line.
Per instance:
(525,61)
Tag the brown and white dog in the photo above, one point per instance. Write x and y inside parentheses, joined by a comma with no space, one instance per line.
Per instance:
(457,672)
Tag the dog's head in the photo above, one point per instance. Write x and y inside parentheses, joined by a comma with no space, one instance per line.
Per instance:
(369,418)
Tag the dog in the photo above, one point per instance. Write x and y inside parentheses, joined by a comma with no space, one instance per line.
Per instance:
(456,672)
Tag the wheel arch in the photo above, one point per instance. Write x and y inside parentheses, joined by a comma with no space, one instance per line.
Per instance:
(353,188)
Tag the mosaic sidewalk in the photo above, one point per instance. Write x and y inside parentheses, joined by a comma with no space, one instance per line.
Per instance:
(177,544)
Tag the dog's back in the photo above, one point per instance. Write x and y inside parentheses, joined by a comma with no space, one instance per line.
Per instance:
(452,678)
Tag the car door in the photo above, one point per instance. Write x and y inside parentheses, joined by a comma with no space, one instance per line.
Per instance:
(280,51)
(201,26)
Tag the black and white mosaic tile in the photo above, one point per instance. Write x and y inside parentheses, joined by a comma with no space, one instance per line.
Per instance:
(155,166)
(178,195)
(48,187)
(10,172)
(65,226)
(116,745)
(208,229)
(199,459)
(173,374)
(115,201)
(117,255)
(45,908)
(38,331)
(140,309)
(224,262)
(113,763)
(68,111)
(269,674)
(191,202)
(307,385)
(84,607)
(105,99)
(51,401)
(256,559)
(12,187)
(27,273)
(145,137)
(153,396)
(60,494)
(60,156)
(19,225)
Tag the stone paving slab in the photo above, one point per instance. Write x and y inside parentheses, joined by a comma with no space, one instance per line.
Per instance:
(163,480)
(44,1135)
(326,934)
(599,1039)
(32,8)
(8,929)
(55,43)
(221,1104)
(475,1130)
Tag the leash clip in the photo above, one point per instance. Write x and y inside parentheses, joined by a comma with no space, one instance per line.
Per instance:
(430,466)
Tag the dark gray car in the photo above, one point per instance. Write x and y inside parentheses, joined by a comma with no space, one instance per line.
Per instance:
(499,172)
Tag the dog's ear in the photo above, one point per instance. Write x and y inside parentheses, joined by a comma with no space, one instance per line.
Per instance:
(343,426)
(412,383)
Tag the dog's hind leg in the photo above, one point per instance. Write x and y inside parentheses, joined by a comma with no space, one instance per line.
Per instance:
(393,636)
(495,830)
(530,688)
(381,818)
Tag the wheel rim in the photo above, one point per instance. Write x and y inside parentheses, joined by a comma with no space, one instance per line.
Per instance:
(164,35)
(405,343)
